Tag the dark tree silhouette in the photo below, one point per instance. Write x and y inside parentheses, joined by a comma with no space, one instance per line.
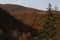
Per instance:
(48,31)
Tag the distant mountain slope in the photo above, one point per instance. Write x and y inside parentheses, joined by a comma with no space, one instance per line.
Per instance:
(28,16)
(17,8)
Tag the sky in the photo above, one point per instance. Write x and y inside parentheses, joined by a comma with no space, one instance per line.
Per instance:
(37,4)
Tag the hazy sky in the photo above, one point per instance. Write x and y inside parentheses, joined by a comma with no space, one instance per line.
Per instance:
(38,4)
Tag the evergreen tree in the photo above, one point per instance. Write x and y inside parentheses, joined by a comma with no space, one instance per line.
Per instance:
(48,31)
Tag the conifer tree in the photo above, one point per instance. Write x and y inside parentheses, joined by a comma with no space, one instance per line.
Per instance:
(48,30)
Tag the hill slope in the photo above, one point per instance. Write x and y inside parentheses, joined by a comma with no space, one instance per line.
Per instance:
(29,16)
(32,17)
